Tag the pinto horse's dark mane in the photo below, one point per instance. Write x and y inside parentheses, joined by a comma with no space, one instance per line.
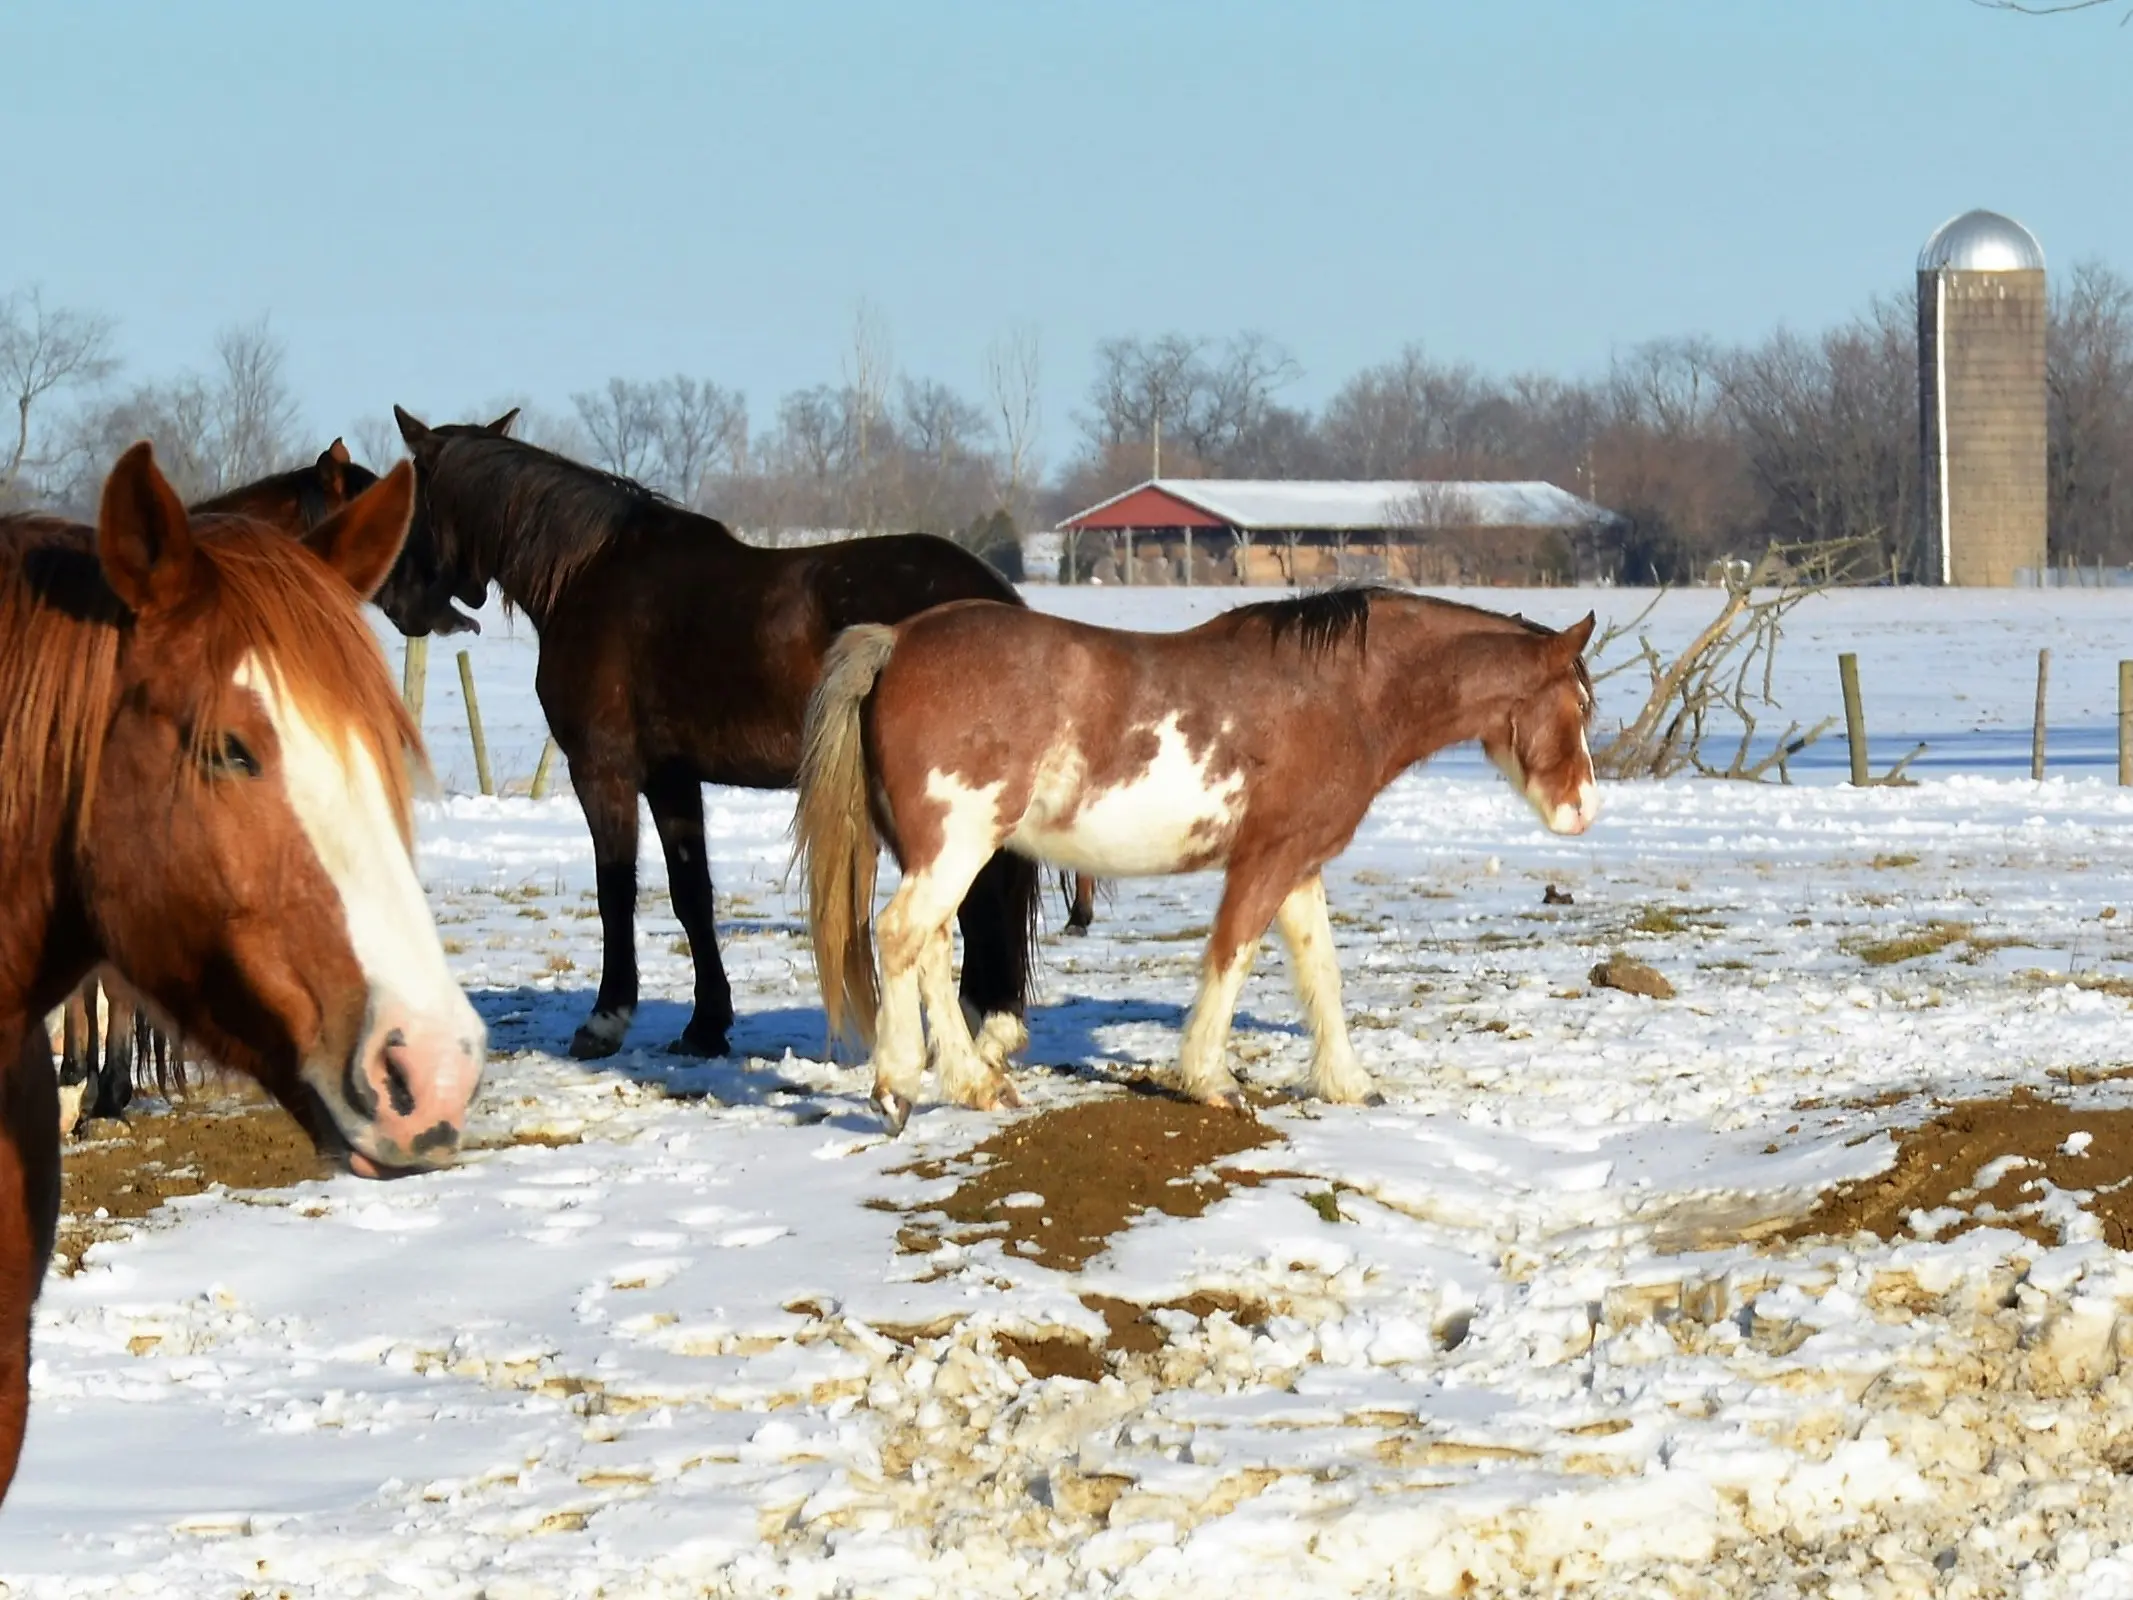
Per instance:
(553,517)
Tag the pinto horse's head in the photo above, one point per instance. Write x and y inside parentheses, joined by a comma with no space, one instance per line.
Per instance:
(1540,746)
(245,850)
(435,569)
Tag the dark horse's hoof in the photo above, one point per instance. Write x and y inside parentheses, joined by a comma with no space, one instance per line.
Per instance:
(597,1040)
(1077,930)
(695,1041)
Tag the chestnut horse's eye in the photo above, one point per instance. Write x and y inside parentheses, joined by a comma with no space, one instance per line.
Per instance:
(233,758)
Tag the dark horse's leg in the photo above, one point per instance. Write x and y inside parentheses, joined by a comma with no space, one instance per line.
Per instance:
(999,922)
(114,1083)
(29,1216)
(1081,901)
(677,802)
(609,801)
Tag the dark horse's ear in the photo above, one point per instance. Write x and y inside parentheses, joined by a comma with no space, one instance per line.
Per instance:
(412,429)
(501,427)
(329,464)
(144,538)
(362,540)
(1573,639)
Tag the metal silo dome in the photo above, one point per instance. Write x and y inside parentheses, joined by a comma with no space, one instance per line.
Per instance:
(1981,241)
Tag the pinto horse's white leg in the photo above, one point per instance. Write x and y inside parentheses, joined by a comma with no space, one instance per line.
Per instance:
(899,1029)
(1308,931)
(1203,1062)
(968,1077)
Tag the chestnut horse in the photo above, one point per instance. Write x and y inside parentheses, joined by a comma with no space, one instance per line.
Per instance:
(1254,742)
(673,655)
(104,1036)
(204,782)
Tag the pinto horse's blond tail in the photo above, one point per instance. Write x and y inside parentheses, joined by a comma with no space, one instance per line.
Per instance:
(834,831)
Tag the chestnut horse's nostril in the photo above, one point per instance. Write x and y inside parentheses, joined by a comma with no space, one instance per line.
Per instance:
(396,1084)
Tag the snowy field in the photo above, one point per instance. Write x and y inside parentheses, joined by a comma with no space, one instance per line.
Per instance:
(1535,1326)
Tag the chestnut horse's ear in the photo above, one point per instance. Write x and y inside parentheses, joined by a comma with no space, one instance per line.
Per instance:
(412,429)
(362,540)
(144,537)
(1574,638)
(338,450)
(329,464)
(501,427)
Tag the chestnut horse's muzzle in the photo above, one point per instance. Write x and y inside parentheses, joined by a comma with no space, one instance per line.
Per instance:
(400,1100)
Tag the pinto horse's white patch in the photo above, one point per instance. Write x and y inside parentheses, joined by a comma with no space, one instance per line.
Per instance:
(1172,813)
(340,799)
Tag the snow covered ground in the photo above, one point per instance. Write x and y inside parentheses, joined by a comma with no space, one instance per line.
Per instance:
(1524,1329)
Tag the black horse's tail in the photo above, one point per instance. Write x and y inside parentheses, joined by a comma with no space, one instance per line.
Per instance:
(999,919)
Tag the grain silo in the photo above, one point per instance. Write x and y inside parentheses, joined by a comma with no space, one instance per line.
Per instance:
(1981,318)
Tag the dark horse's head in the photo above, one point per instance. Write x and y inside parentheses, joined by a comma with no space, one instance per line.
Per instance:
(301,499)
(436,567)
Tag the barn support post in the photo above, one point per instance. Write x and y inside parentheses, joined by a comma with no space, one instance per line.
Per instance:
(1854,717)
(2036,735)
(1188,553)
(1129,555)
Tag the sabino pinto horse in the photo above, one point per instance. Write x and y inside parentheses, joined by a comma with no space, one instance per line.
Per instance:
(204,781)
(674,655)
(1254,742)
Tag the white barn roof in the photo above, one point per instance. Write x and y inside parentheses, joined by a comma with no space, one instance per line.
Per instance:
(1380,503)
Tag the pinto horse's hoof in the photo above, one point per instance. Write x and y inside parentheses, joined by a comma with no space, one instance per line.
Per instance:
(894,1108)
(1373,1099)
(705,1043)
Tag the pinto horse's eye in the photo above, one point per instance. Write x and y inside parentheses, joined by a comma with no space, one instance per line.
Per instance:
(232,757)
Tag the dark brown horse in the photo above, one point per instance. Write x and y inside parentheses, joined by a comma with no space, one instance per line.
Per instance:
(204,782)
(673,655)
(106,1037)
(1254,742)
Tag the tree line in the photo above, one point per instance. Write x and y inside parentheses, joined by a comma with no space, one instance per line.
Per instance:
(1707,451)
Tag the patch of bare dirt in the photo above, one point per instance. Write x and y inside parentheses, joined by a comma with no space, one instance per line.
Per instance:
(2031,1146)
(229,1135)
(1080,1174)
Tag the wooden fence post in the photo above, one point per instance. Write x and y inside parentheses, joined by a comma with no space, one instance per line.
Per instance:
(2125,724)
(481,745)
(539,790)
(2036,736)
(1854,717)
(414,676)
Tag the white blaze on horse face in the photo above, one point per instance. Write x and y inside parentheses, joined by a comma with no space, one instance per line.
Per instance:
(1172,813)
(340,799)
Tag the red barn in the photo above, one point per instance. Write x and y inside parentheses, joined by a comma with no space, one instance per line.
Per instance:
(1269,531)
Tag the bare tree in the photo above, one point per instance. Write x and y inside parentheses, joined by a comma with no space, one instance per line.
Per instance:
(1014,375)
(700,428)
(378,444)
(622,421)
(868,365)
(2089,408)
(2052,8)
(44,349)
(255,415)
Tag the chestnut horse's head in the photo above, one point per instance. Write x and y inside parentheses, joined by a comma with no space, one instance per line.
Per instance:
(436,567)
(244,847)
(1541,745)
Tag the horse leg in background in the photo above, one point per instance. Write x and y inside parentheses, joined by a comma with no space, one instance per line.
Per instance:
(1249,898)
(998,918)
(1081,901)
(1308,931)
(114,1079)
(609,801)
(677,802)
(29,1219)
(73,1081)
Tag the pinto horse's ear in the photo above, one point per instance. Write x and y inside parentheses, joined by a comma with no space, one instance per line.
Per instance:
(144,538)
(1573,639)
(362,540)
(501,427)
(412,429)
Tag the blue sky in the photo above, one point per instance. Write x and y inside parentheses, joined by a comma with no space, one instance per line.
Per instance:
(444,203)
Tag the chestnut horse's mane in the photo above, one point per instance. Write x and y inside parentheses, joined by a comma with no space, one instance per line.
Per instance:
(62,631)
(1325,618)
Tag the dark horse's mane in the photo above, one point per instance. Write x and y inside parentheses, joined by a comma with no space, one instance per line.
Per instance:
(553,516)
